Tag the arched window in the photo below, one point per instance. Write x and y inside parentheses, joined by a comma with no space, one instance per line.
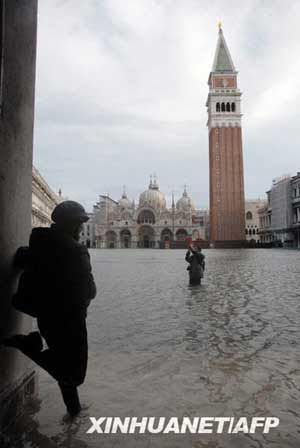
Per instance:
(232,107)
(146,217)
(218,107)
(223,107)
(250,232)
(228,107)
(181,234)
(246,231)
(248,215)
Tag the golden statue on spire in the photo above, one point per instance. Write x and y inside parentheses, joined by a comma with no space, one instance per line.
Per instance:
(220,25)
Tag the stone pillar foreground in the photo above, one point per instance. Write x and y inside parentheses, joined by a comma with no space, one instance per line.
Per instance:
(18,49)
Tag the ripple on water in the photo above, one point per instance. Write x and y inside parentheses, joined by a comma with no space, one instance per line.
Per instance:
(160,347)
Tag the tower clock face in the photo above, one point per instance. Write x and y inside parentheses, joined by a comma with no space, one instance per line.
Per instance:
(225,82)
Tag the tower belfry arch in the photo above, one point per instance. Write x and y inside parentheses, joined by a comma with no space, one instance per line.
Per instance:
(226,173)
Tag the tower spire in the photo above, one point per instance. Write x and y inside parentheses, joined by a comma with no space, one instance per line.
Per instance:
(155,183)
(173,201)
(151,184)
(222,61)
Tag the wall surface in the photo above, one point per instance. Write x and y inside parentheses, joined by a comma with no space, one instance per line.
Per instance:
(17,380)
(44,200)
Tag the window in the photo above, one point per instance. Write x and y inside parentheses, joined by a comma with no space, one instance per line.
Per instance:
(248,215)
(227,107)
(218,107)
(223,107)
(232,107)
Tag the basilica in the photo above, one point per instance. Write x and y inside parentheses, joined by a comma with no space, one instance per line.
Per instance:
(149,224)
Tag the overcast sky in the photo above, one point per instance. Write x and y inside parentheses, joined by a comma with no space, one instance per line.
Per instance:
(122,85)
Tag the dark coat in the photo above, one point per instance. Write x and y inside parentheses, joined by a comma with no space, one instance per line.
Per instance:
(196,266)
(57,274)
(57,281)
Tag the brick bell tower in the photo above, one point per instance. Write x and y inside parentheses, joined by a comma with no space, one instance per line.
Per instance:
(226,175)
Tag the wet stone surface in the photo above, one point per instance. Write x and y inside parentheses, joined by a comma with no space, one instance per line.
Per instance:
(161,348)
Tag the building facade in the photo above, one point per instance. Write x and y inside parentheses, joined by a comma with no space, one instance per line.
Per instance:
(265,228)
(226,174)
(150,224)
(281,206)
(87,236)
(295,192)
(280,218)
(44,201)
(252,229)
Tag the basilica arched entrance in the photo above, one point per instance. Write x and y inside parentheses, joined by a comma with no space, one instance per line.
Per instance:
(146,237)
(111,239)
(146,217)
(125,238)
(166,237)
(181,235)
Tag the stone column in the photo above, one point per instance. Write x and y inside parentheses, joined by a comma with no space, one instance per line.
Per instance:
(18,48)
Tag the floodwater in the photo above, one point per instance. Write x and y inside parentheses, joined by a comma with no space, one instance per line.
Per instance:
(161,348)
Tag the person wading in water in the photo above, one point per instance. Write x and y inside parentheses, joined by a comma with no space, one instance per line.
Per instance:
(56,286)
(196,267)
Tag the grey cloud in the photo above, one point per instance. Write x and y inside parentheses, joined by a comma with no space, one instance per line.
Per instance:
(121,91)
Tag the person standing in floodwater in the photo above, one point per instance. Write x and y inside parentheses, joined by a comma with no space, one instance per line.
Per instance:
(196,267)
(58,284)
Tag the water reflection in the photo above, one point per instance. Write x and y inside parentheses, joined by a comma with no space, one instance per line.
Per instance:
(160,347)
(27,431)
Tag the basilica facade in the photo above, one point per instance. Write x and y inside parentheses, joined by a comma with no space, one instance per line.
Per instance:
(149,224)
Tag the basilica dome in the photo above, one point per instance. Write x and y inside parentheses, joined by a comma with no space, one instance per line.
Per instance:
(124,201)
(153,197)
(185,203)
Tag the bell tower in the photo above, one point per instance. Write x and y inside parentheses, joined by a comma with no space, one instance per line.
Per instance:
(226,174)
